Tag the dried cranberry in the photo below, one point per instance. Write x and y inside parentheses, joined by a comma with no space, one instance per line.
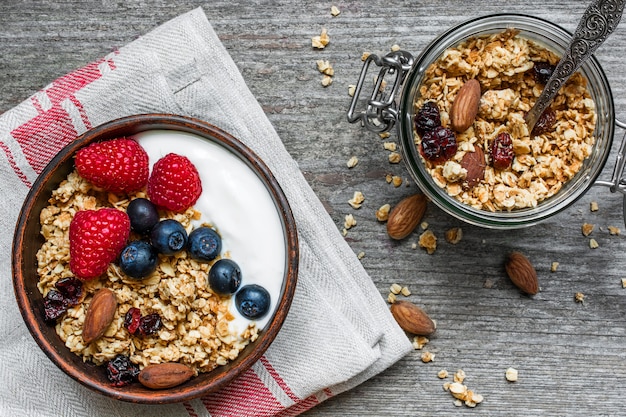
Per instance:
(542,72)
(131,319)
(545,123)
(121,371)
(142,325)
(427,118)
(68,292)
(54,305)
(150,324)
(71,288)
(439,144)
(502,151)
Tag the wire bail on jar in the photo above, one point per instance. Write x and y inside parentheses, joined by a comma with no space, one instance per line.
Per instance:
(617,183)
(381,113)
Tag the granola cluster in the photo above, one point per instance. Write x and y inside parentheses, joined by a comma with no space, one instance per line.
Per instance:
(543,163)
(195,328)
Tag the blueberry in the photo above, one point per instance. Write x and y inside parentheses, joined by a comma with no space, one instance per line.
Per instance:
(253,301)
(143,215)
(224,276)
(168,237)
(204,244)
(138,259)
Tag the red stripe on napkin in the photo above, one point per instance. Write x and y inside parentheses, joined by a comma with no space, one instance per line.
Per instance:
(16,169)
(247,396)
(279,380)
(43,136)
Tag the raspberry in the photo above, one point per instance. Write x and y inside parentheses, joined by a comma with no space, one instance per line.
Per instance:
(174,183)
(96,239)
(117,165)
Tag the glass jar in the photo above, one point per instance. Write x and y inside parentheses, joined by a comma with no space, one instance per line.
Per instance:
(397,108)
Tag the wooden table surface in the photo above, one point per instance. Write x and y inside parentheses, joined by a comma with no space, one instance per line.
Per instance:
(571,356)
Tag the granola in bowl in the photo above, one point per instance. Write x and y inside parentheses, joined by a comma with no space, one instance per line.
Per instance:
(195,321)
(511,71)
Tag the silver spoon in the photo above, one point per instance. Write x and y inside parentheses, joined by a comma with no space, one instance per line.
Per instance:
(596,24)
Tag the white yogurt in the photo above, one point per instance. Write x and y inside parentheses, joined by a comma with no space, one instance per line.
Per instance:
(237,203)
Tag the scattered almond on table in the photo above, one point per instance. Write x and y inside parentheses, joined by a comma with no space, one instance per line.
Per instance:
(412,318)
(522,273)
(405,216)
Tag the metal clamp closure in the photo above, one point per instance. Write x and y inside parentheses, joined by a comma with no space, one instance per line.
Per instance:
(617,184)
(381,113)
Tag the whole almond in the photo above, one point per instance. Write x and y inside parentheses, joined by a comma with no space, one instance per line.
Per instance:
(165,375)
(405,216)
(474,163)
(99,314)
(522,273)
(465,106)
(412,319)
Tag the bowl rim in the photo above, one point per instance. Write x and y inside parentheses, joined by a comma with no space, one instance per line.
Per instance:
(498,220)
(129,125)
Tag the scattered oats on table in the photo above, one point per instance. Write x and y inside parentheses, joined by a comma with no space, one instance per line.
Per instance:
(427,357)
(390,146)
(428,241)
(357,200)
(511,374)
(395,288)
(395,47)
(587,228)
(352,162)
(394,158)
(334,11)
(615,231)
(396,181)
(327,80)
(593,244)
(419,342)
(391,298)
(405,291)
(351,90)
(461,393)
(454,235)
(324,67)
(321,40)
(554,266)
(623,282)
(459,375)
(384,135)
(579,297)
(593,206)
(442,374)
(349,221)
(382,214)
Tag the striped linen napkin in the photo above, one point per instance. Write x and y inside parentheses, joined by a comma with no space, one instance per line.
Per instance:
(338,332)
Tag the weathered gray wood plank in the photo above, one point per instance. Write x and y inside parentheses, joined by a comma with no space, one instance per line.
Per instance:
(571,356)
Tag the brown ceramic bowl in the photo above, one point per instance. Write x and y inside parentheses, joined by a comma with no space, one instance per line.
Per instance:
(27,241)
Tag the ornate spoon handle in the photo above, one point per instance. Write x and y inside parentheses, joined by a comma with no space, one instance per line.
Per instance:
(596,24)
